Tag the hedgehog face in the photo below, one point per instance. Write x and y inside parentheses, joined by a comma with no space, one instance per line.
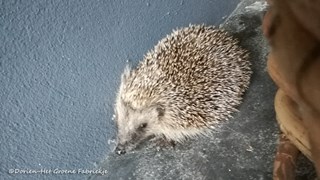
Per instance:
(135,125)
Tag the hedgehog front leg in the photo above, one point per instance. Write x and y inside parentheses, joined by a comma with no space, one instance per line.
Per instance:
(161,142)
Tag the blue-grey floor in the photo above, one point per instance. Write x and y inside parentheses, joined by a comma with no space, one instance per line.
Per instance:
(60,63)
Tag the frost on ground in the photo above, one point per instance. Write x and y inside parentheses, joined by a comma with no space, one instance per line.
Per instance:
(257,6)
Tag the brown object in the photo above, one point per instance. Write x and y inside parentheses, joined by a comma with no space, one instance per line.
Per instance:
(284,163)
(293,31)
(291,124)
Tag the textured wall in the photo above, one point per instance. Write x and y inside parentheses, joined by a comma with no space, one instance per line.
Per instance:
(60,63)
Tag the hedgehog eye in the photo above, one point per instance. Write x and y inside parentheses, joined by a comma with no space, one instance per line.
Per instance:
(143,125)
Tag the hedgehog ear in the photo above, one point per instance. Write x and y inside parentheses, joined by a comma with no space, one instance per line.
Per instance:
(126,73)
(160,110)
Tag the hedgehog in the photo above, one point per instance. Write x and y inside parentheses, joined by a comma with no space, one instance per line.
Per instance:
(193,79)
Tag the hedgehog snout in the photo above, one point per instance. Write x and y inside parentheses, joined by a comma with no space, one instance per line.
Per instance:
(120,149)
(127,143)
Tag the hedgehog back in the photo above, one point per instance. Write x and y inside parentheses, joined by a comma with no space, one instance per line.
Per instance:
(197,73)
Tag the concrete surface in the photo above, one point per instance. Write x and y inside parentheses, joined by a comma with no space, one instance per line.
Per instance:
(60,63)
